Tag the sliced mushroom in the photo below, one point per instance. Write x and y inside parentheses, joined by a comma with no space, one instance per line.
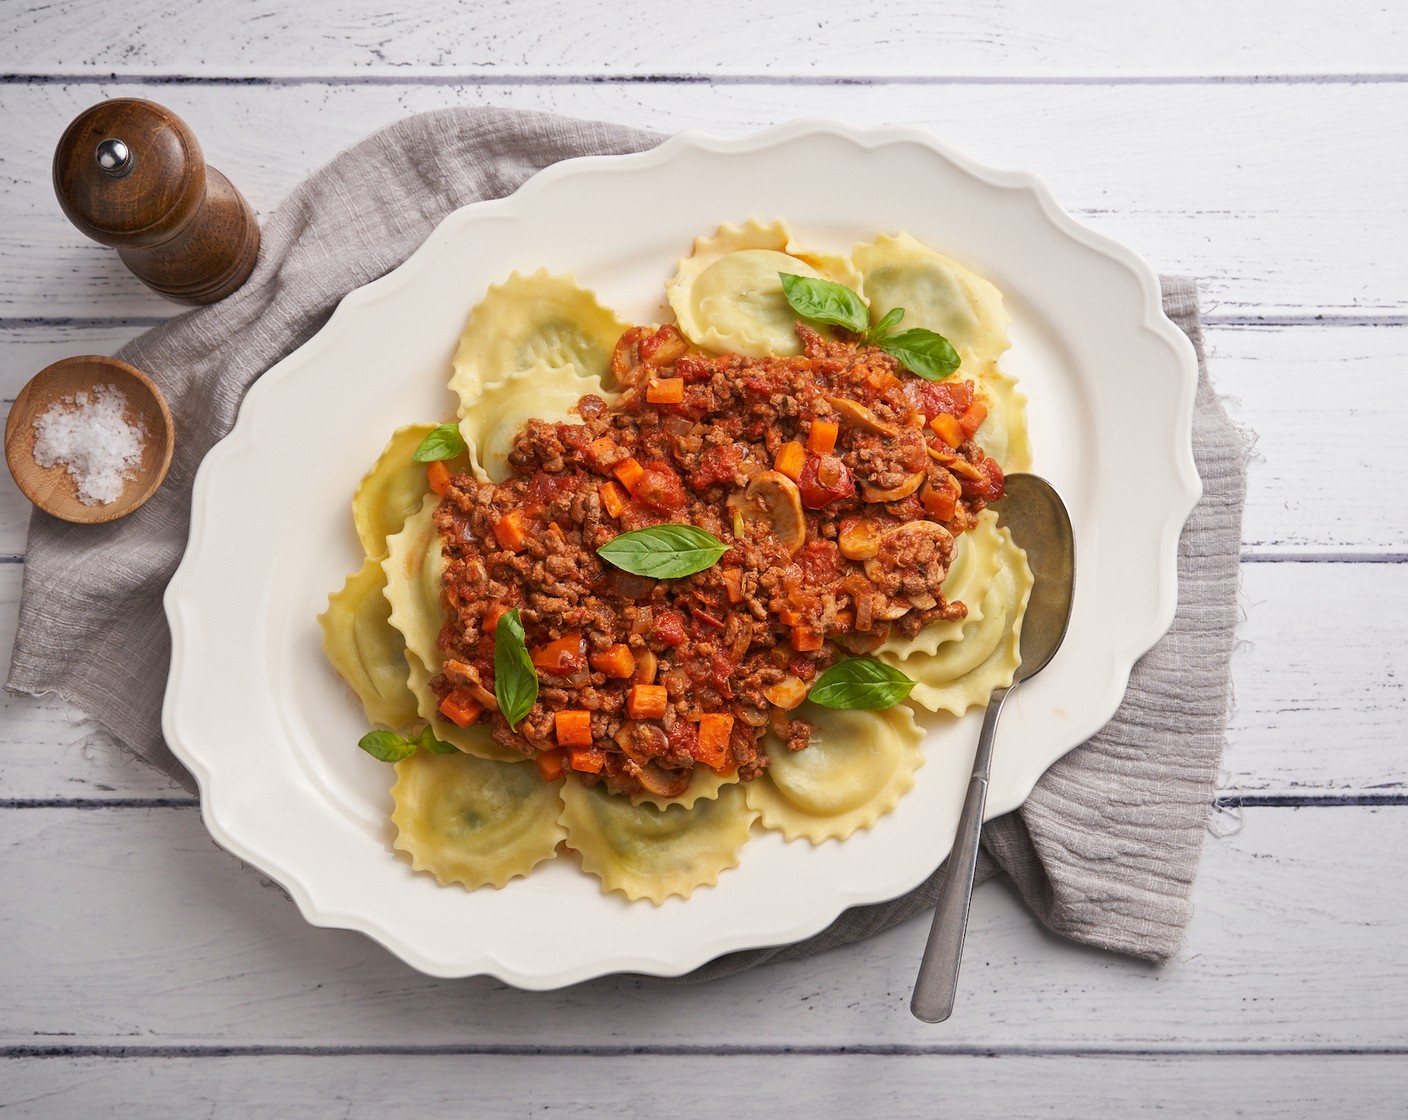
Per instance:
(859,539)
(874,569)
(856,415)
(662,782)
(642,741)
(922,601)
(787,693)
(889,609)
(754,715)
(772,497)
(894,493)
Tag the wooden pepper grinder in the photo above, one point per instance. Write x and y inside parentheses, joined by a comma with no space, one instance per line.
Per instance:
(130,174)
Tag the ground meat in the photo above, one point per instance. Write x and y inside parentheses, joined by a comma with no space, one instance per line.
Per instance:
(718,641)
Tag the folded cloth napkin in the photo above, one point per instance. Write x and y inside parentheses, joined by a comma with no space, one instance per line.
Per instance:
(1104,850)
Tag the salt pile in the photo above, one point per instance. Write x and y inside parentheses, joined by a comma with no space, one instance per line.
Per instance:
(90,435)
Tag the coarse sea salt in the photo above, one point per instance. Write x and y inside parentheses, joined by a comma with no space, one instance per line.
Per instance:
(89,433)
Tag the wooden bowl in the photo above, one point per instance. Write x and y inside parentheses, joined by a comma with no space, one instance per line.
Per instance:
(53,489)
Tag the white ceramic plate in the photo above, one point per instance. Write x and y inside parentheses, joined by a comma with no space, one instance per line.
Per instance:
(283,785)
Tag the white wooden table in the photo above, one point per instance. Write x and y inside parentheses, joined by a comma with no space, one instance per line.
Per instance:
(1259,147)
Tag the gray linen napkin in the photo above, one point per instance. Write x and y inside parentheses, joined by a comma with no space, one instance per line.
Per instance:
(1104,850)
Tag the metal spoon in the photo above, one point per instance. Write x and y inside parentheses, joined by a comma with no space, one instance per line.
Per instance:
(1039,523)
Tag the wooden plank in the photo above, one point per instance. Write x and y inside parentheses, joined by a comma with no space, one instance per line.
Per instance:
(831,1087)
(1197,178)
(947,39)
(148,936)
(1313,709)
(1325,409)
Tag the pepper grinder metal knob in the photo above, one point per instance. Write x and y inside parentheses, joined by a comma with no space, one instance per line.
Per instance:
(130,174)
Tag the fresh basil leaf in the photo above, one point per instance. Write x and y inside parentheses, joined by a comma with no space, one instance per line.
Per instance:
(663,551)
(515,679)
(884,326)
(860,682)
(444,442)
(923,352)
(428,741)
(825,301)
(387,745)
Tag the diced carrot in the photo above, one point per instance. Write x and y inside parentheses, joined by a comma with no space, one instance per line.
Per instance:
(806,638)
(613,498)
(711,748)
(821,439)
(556,530)
(510,532)
(574,728)
(629,471)
(789,616)
(947,428)
(562,657)
(939,504)
(588,760)
(646,701)
(733,584)
(615,661)
(492,613)
(881,379)
(550,764)
(790,459)
(439,475)
(664,390)
(602,452)
(973,419)
(460,708)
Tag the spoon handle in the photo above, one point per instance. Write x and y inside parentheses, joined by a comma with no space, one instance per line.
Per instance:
(937,983)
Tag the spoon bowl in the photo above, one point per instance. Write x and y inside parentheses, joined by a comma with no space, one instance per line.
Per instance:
(1041,526)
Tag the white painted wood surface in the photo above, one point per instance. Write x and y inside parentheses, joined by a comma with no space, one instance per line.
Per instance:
(1255,146)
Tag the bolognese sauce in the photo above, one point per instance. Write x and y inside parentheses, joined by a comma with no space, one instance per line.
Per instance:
(838,481)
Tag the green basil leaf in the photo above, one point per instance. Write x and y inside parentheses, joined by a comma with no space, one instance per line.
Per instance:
(860,682)
(444,442)
(427,741)
(922,352)
(663,551)
(825,301)
(515,679)
(884,326)
(387,745)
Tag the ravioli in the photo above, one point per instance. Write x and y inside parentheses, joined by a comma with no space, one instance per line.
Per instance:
(533,321)
(541,392)
(727,294)
(366,650)
(471,821)
(854,771)
(391,491)
(936,293)
(645,852)
(1003,434)
(413,566)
